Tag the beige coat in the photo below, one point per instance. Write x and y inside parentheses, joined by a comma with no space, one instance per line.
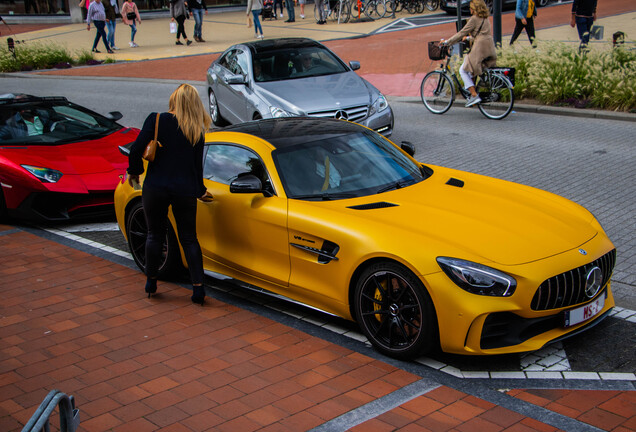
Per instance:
(483,53)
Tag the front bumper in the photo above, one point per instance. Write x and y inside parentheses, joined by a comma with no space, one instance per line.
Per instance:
(473,324)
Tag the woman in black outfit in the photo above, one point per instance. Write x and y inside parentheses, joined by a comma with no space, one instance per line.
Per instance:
(174,178)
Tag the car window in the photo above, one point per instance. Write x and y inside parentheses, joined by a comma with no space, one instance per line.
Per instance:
(290,63)
(50,123)
(225,162)
(345,165)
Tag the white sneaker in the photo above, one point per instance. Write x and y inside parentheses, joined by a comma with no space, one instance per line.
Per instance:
(302,16)
(260,36)
(473,100)
(132,44)
(114,47)
(281,15)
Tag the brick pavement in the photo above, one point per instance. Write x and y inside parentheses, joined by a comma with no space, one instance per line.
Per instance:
(72,321)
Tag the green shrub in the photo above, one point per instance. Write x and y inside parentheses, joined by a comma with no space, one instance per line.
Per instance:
(556,73)
(38,55)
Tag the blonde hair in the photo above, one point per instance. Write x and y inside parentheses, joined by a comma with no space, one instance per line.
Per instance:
(480,8)
(185,103)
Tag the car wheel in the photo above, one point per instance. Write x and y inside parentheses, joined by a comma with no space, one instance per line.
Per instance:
(137,232)
(3,207)
(395,311)
(214,110)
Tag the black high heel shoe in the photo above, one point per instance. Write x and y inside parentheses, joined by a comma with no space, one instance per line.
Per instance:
(151,286)
(198,295)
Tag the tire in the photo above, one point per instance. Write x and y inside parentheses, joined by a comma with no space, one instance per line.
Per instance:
(215,113)
(399,5)
(3,207)
(345,12)
(542,3)
(376,9)
(391,5)
(419,6)
(137,232)
(394,311)
(432,5)
(437,92)
(497,95)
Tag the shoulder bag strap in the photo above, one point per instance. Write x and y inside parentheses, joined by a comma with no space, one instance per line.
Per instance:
(157,129)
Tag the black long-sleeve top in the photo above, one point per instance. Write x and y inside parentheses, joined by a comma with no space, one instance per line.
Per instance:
(584,8)
(197,4)
(178,166)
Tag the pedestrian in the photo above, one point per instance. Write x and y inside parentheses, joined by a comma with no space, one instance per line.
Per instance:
(524,18)
(482,54)
(174,179)
(278,3)
(320,7)
(179,12)
(302,8)
(112,9)
(97,15)
(255,7)
(583,16)
(130,16)
(291,13)
(196,9)
(83,5)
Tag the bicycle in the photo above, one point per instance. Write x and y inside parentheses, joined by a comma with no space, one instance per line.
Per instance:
(494,86)
(338,10)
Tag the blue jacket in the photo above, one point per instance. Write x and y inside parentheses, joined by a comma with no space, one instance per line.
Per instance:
(522,9)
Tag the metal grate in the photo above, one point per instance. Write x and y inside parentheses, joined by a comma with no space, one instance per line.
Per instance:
(354,114)
(568,288)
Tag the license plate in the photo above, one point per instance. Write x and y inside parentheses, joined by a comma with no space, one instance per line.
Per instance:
(584,313)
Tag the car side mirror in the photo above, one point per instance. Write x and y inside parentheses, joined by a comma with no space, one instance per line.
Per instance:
(354,65)
(408,148)
(245,184)
(235,79)
(114,115)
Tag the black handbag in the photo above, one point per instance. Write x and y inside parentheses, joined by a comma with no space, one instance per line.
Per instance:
(131,16)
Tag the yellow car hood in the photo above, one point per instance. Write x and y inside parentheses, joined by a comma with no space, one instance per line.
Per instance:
(472,217)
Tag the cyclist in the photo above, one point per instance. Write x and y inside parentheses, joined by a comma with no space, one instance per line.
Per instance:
(482,54)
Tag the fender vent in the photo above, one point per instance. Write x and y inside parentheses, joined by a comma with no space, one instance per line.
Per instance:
(371,206)
(455,182)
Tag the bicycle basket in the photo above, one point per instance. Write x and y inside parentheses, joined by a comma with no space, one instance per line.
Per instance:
(436,51)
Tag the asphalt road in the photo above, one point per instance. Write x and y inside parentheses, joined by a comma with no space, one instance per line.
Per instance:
(590,161)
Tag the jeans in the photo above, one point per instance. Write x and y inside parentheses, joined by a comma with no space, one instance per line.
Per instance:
(278,3)
(184,209)
(584,25)
(133,31)
(257,23)
(110,25)
(101,33)
(290,10)
(198,21)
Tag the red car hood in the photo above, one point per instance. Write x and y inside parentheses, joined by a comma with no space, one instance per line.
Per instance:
(82,158)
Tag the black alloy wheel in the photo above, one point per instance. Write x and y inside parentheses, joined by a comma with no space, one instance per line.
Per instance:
(395,311)
(137,233)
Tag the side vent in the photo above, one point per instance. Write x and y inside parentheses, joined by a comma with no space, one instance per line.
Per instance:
(371,206)
(455,182)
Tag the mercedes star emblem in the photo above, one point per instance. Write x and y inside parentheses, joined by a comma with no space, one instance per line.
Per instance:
(593,281)
(341,115)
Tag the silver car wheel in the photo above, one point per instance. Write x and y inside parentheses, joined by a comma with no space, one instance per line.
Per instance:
(214,108)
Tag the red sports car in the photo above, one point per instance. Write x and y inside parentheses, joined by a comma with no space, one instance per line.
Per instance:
(58,160)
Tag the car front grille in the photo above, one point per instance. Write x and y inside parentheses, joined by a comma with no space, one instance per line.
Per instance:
(353,114)
(568,288)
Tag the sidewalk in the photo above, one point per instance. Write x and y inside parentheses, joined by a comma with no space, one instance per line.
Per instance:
(72,321)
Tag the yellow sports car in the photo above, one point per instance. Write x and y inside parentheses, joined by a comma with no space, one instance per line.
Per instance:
(335,216)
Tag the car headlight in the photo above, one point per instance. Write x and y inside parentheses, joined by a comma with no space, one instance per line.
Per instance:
(45,175)
(279,112)
(379,105)
(478,279)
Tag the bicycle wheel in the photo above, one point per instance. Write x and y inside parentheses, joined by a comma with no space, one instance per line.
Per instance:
(399,5)
(432,5)
(497,95)
(419,6)
(391,5)
(437,92)
(344,11)
(377,9)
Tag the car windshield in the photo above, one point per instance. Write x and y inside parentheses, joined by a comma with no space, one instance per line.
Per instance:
(51,122)
(292,63)
(342,166)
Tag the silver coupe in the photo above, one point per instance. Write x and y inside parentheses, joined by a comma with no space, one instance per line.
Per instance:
(292,77)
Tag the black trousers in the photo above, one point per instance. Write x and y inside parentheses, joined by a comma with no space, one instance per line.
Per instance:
(519,28)
(180,27)
(184,209)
